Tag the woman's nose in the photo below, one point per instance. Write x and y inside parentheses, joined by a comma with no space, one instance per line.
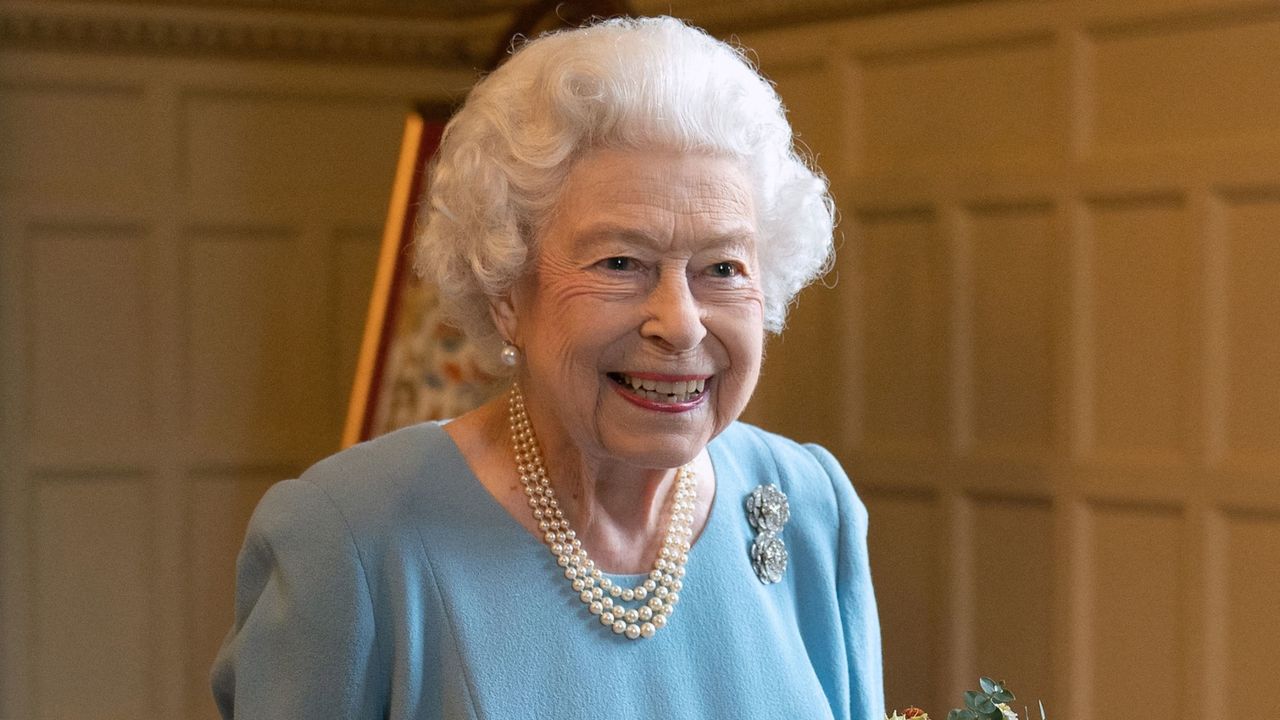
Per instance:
(675,316)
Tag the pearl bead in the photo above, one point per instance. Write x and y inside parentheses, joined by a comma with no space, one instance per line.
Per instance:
(628,594)
(596,608)
(585,596)
(579,585)
(647,630)
(619,627)
(659,620)
(645,613)
(662,591)
(631,616)
(615,591)
(640,592)
(606,618)
(673,598)
(633,631)
(655,603)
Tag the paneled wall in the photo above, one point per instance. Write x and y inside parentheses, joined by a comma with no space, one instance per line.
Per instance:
(1051,358)
(186,250)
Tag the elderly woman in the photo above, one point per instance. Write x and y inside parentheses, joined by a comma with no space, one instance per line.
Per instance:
(620,216)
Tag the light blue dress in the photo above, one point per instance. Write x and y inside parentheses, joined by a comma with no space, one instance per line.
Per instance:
(388,583)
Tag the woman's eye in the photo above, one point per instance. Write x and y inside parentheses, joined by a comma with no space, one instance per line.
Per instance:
(619,264)
(725,270)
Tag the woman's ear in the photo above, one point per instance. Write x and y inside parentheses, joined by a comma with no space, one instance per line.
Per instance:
(503,311)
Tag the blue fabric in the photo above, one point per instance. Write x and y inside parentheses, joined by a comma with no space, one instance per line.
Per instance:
(387,582)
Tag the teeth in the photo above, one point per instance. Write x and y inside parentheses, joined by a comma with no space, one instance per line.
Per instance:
(664,391)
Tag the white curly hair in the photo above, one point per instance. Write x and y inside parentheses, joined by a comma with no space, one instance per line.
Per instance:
(622,83)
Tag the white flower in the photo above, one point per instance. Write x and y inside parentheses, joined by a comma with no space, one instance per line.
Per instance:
(1008,712)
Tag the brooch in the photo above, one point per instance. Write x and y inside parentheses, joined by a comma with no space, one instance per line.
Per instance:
(768,512)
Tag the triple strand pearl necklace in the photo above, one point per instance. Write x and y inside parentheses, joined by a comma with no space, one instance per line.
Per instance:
(657,595)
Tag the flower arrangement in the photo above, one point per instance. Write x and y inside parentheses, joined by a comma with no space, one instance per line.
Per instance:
(991,702)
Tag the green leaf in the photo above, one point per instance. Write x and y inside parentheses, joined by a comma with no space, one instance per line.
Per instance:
(1003,696)
(980,702)
(962,715)
(989,686)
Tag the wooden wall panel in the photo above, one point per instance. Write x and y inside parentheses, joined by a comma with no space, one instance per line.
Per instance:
(1137,620)
(1013,319)
(904,267)
(1142,293)
(91,581)
(957,105)
(254,362)
(270,155)
(1253,357)
(1012,581)
(906,541)
(90,356)
(73,138)
(1185,81)
(355,256)
(186,248)
(1252,626)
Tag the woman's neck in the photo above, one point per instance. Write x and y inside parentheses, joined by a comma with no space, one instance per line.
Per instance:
(620,512)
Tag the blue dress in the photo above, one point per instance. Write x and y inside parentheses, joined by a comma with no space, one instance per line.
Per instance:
(387,583)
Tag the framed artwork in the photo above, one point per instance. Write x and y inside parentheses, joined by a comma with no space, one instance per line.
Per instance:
(412,366)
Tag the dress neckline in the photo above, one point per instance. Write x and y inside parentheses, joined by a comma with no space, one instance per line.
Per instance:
(711,530)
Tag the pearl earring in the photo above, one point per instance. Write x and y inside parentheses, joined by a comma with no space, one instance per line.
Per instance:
(510,354)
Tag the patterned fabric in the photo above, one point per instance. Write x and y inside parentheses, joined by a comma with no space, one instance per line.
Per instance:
(432,371)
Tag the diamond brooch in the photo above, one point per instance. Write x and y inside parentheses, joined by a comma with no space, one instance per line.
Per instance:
(768,512)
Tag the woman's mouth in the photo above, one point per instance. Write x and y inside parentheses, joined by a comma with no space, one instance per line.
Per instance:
(678,392)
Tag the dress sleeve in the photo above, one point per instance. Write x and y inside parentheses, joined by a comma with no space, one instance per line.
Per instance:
(303,642)
(856,596)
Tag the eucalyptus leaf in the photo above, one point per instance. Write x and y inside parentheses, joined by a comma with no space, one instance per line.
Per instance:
(990,686)
(1002,695)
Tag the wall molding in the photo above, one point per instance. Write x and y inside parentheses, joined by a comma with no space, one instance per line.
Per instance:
(438,34)
(172,31)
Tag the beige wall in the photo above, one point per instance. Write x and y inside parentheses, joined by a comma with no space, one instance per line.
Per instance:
(186,249)
(1050,359)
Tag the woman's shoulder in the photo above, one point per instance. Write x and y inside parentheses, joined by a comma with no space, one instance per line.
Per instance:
(807,472)
(374,487)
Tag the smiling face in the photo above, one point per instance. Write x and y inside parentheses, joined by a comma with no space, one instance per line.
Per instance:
(641,322)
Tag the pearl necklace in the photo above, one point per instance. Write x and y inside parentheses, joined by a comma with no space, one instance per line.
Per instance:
(657,594)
